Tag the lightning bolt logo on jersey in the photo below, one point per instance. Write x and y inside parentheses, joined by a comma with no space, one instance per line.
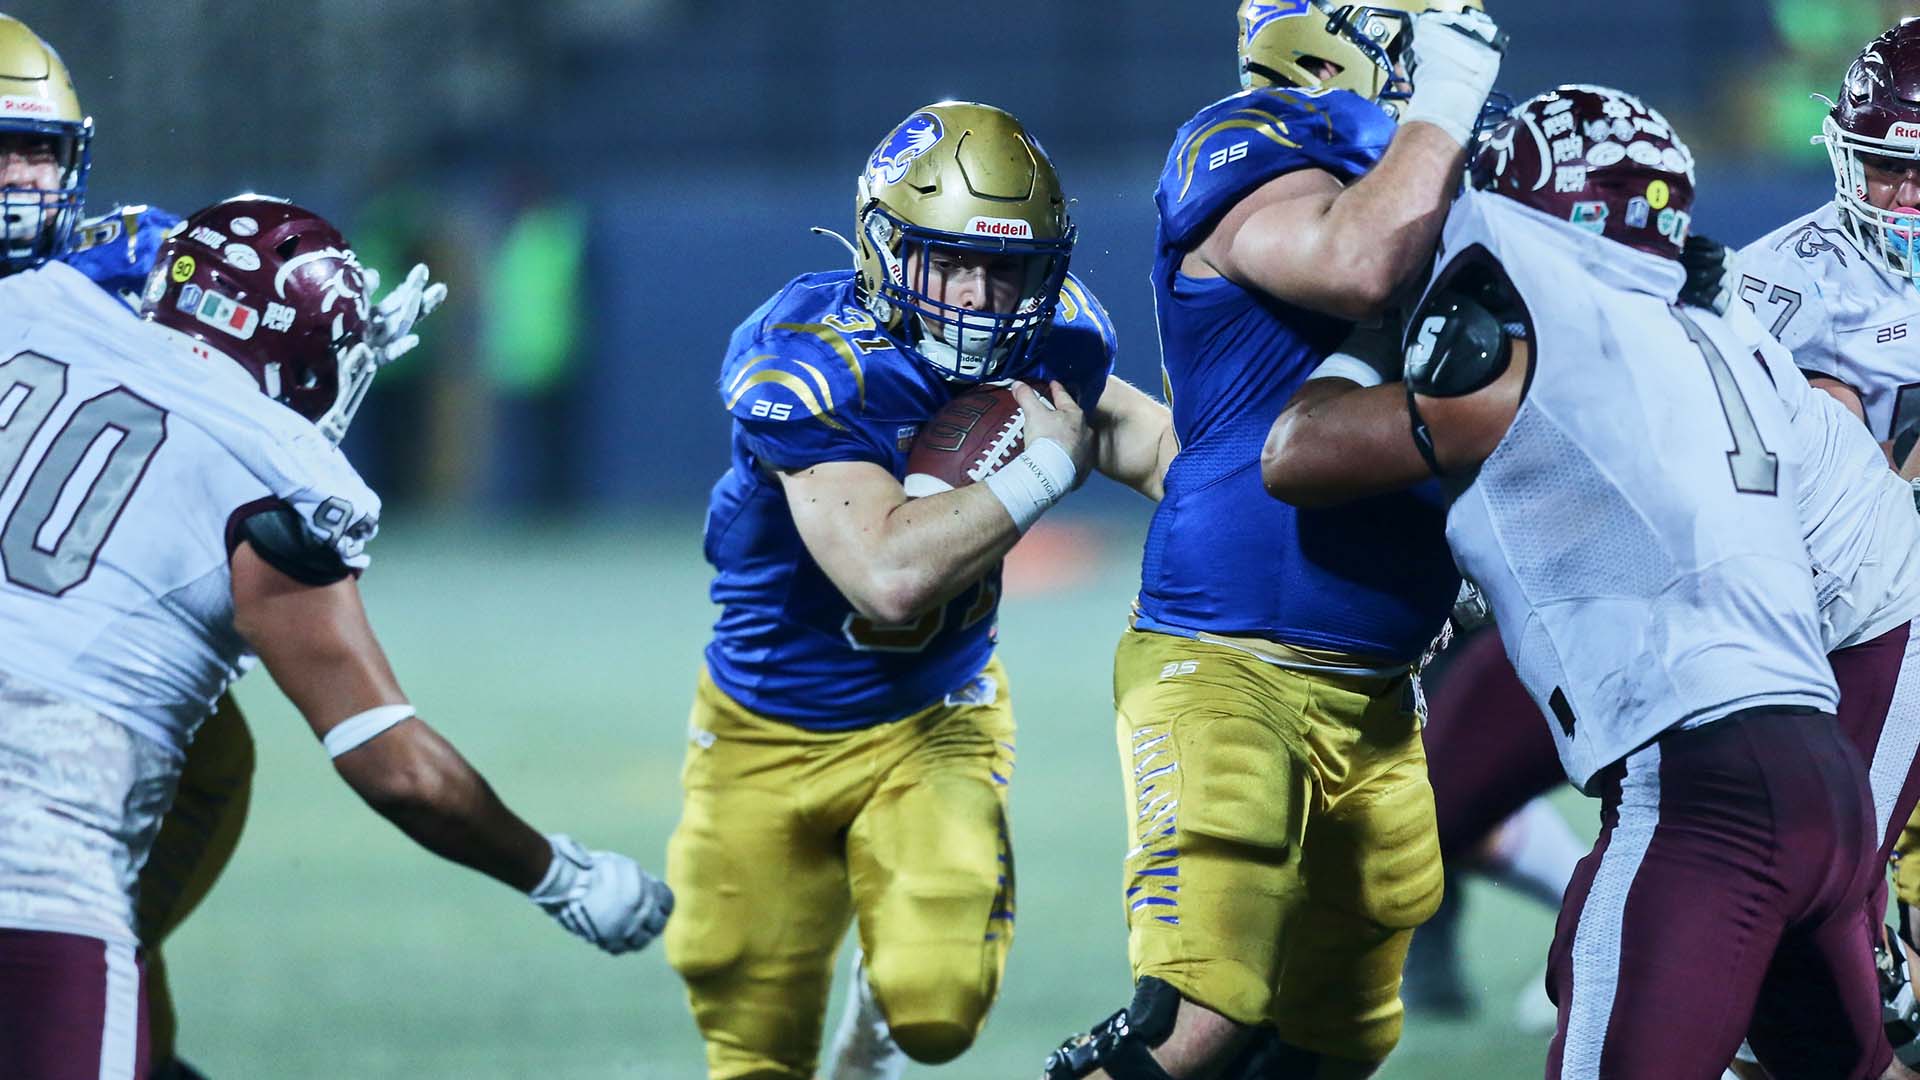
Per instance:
(1372,578)
(811,378)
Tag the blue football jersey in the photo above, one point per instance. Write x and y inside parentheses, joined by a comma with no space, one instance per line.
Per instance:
(117,249)
(1222,556)
(810,378)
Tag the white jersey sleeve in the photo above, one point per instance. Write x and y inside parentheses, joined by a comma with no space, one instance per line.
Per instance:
(1787,301)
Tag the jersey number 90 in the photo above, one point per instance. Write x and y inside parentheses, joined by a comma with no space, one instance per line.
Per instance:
(83,479)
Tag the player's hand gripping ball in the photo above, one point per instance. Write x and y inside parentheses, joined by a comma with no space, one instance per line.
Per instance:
(969,439)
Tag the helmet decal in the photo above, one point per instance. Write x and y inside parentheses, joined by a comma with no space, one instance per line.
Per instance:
(1261,12)
(911,139)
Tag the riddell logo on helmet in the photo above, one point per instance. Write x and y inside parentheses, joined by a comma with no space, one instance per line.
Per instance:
(13,105)
(1904,131)
(1010,228)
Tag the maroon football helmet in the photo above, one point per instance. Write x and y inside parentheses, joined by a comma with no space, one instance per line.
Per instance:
(1597,158)
(1878,116)
(277,289)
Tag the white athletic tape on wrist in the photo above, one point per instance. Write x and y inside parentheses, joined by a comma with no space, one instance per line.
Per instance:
(357,729)
(1349,367)
(1029,484)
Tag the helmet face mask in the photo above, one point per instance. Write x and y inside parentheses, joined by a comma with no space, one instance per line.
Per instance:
(960,189)
(39,111)
(1876,126)
(1285,42)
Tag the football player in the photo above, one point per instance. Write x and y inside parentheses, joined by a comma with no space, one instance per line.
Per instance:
(1836,287)
(1282,828)
(852,737)
(1589,503)
(45,159)
(181,505)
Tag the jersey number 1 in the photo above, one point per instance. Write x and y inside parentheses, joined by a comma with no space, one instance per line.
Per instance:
(84,477)
(1756,469)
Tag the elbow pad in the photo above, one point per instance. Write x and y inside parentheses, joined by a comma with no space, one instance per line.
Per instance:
(1456,346)
(277,535)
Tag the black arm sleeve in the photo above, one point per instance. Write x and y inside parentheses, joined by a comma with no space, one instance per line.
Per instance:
(277,536)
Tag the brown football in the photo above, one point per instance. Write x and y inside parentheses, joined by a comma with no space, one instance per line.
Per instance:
(968,440)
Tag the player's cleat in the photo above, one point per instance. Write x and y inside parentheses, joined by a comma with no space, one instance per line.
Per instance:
(863,1047)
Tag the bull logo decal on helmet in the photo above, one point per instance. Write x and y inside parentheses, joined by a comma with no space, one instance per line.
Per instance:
(338,287)
(908,141)
(1262,12)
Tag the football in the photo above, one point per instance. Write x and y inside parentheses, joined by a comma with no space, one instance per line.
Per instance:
(968,440)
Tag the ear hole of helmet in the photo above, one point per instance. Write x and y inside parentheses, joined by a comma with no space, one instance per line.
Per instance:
(285,248)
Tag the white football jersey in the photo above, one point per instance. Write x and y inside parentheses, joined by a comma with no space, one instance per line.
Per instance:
(1841,316)
(1636,530)
(130,455)
(1856,513)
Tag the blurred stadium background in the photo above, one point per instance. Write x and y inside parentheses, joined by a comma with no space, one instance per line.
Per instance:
(609,185)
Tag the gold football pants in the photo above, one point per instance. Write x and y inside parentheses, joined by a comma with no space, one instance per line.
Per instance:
(1283,844)
(196,840)
(787,834)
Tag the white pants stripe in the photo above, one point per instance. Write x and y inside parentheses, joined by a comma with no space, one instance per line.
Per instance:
(1596,940)
(120,1032)
(1899,738)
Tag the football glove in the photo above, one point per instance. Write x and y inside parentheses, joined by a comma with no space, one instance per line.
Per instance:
(1709,268)
(390,331)
(602,896)
(1454,59)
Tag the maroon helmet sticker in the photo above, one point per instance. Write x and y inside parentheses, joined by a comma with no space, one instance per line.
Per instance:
(1598,159)
(271,285)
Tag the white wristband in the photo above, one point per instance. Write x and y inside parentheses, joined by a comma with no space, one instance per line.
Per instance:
(1349,367)
(357,729)
(1041,476)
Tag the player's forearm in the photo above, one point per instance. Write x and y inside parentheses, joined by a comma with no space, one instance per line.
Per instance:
(417,780)
(1372,236)
(929,550)
(1336,442)
(1134,439)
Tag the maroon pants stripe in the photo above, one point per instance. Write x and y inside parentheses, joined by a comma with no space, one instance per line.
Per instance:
(71,1008)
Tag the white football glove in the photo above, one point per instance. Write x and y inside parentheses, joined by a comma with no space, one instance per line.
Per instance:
(1453,61)
(390,331)
(602,896)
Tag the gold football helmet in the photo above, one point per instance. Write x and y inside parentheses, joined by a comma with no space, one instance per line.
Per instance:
(960,181)
(1364,43)
(39,111)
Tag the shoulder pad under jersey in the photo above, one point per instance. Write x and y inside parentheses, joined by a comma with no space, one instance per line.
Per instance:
(798,391)
(1239,143)
(117,249)
(1782,288)
(1080,346)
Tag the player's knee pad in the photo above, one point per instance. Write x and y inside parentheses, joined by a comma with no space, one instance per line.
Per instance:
(1122,1044)
(707,933)
(1381,860)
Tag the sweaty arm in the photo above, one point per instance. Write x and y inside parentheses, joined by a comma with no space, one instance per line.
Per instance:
(1133,438)
(316,642)
(1466,371)
(1337,249)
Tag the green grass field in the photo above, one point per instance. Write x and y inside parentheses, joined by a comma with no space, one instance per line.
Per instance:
(561,661)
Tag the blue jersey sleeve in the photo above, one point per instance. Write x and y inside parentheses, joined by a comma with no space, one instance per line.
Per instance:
(796,404)
(118,248)
(1239,143)
(1080,346)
